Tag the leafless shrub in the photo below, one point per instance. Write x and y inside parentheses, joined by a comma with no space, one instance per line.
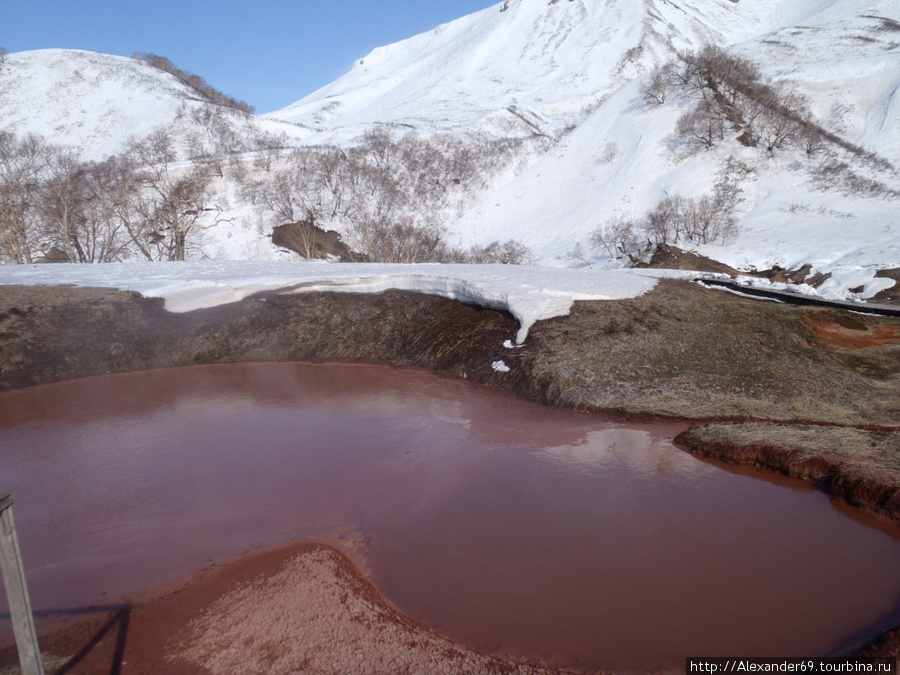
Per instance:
(702,126)
(700,220)
(667,221)
(888,25)
(220,138)
(194,82)
(375,193)
(836,174)
(811,139)
(708,219)
(783,119)
(620,238)
(577,255)
(734,94)
(269,148)
(510,252)
(658,86)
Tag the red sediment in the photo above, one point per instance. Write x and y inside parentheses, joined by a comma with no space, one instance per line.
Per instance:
(833,334)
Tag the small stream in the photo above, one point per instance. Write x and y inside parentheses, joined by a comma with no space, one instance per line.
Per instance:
(510,527)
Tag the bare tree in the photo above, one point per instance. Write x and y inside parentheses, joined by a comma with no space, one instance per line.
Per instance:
(812,140)
(175,200)
(62,204)
(269,149)
(195,82)
(510,252)
(656,90)
(302,237)
(375,193)
(111,211)
(702,125)
(708,221)
(619,237)
(23,165)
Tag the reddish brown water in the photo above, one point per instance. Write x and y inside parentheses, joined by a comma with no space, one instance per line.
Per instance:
(505,525)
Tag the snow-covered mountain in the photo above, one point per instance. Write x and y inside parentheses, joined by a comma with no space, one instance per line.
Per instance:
(619,161)
(94,102)
(85,99)
(573,70)
(569,76)
(528,65)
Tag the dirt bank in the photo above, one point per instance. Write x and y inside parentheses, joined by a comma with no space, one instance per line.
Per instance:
(680,351)
(861,467)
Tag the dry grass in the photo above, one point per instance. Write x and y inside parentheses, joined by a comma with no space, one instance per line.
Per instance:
(683,351)
(852,448)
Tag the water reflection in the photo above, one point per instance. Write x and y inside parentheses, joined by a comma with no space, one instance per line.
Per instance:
(506,525)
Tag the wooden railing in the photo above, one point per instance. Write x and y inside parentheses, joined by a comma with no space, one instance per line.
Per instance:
(17,592)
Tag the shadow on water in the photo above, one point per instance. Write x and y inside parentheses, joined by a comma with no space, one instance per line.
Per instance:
(118,619)
(854,642)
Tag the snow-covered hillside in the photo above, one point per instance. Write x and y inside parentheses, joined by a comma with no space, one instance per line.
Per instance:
(84,99)
(621,159)
(526,65)
(532,66)
(95,102)
(568,77)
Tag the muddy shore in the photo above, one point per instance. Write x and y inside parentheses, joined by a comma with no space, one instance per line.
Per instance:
(302,608)
(806,391)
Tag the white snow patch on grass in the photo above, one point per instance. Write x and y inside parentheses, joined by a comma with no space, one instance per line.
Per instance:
(500,367)
(529,293)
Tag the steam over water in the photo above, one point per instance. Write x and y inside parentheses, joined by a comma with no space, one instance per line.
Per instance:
(510,527)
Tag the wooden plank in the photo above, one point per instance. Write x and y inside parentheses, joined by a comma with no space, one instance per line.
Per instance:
(17,592)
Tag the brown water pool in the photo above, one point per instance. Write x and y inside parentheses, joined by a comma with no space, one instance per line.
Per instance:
(505,525)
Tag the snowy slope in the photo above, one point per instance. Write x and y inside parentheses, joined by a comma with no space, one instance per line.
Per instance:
(620,161)
(537,65)
(551,67)
(94,102)
(570,72)
(85,99)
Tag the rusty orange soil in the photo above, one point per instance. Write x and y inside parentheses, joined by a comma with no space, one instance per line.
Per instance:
(840,337)
(302,608)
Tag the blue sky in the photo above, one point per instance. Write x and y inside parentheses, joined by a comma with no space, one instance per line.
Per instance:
(269,53)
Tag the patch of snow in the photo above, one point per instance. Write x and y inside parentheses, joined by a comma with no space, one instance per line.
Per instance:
(529,293)
(500,367)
